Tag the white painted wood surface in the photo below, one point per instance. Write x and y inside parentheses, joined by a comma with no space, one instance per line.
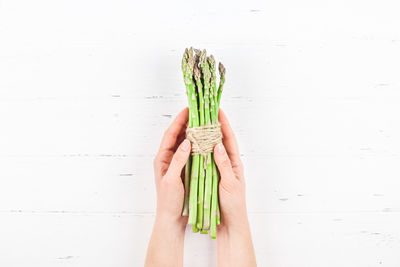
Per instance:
(88,87)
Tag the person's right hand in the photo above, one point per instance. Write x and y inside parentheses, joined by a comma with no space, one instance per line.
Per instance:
(235,247)
(232,185)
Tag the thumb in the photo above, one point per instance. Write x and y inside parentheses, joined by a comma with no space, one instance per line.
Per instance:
(223,162)
(179,159)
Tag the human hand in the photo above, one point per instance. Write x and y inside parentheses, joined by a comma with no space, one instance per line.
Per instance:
(231,186)
(168,164)
(235,247)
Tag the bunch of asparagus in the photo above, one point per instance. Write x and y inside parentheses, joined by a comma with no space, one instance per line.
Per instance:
(201,174)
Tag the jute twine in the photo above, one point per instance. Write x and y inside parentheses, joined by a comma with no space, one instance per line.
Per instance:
(204,138)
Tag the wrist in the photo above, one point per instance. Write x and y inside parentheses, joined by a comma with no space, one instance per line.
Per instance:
(235,246)
(238,226)
(236,220)
(170,224)
(166,243)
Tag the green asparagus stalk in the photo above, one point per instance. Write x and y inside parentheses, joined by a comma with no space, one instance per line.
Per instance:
(207,120)
(185,211)
(218,210)
(222,72)
(194,228)
(213,90)
(187,68)
(214,120)
(186,73)
(200,204)
(207,193)
(214,201)
(197,77)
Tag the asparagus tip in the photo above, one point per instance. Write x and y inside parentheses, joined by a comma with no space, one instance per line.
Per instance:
(184,60)
(211,61)
(221,69)
(196,72)
(202,58)
(191,62)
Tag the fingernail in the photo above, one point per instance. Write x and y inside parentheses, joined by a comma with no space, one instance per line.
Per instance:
(220,148)
(185,145)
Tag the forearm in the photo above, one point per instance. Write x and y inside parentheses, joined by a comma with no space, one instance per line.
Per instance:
(166,245)
(235,246)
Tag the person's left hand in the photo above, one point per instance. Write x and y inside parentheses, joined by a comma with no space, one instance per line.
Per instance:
(168,164)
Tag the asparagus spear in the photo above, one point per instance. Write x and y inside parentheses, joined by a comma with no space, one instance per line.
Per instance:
(187,68)
(214,202)
(218,210)
(197,77)
(186,74)
(222,72)
(213,90)
(185,211)
(214,120)
(207,120)
(200,205)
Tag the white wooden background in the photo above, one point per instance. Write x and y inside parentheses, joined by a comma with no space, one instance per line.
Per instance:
(88,87)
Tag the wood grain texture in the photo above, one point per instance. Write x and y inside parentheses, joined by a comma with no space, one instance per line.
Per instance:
(88,87)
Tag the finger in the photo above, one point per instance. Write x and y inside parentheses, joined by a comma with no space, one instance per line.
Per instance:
(180,138)
(164,156)
(229,140)
(175,129)
(169,143)
(179,160)
(223,162)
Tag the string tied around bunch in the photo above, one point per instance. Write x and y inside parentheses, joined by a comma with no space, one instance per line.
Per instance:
(204,139)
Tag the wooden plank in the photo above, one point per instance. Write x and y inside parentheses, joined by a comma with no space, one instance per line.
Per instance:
(302,239)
